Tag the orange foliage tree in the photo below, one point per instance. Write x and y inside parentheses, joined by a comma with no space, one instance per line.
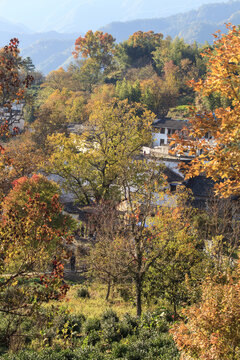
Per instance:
(12,84)
(98,46)
(212,331)
(20,158)
(220,156)
(33,231)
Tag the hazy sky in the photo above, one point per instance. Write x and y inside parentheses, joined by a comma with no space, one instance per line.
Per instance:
(42,15)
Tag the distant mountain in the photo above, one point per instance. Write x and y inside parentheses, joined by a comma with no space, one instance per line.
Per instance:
(12,27)
(28,39)
(193,25)
(82,15)
(49,54)
(92,14)
(48,50)
(51,49)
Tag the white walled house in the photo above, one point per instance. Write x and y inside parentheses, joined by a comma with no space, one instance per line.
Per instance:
(163,129)
(13,115)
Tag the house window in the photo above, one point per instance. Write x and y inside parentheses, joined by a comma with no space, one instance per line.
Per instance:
(162,130)
(169,131)
(161,142)
(173,187)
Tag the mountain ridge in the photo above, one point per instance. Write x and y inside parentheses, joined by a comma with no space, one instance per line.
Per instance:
(51,49)
(177,25)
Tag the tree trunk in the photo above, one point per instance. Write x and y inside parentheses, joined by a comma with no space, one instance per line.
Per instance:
(108,290)
(139,295)
(175,310)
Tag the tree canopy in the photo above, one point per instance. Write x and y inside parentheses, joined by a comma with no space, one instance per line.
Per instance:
(216,133)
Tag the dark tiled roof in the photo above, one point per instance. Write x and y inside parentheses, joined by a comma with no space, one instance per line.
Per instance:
(201,186)
(170,123)
(172,176)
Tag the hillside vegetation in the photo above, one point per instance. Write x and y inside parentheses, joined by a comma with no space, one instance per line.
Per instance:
(102,255)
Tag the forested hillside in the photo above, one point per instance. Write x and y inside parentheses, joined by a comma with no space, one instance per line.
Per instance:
(106,251)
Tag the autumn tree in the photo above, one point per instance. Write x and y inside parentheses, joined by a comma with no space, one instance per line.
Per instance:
(211,329)
(137,50)
(219,227)
(106,262)
(92,164)
(103,94)
(182,264)
(127,246)
(220,157)
(159,95)
(32,230)
(96,46)
(12,85)
(58,80)
(56,112)
(142,241)
(140,74)
(20,158)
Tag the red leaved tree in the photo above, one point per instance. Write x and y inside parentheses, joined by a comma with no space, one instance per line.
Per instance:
(97,46)
(12,84)
(33,232)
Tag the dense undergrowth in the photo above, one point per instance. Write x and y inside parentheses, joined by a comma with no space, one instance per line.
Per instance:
(73,337)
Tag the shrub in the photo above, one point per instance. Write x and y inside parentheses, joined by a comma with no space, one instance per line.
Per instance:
(119,350)
(93,337)
(110,331)
(83,293)
(105,339)
(137,350)
(154,320)
(76,322)
(110,314)
(92,324)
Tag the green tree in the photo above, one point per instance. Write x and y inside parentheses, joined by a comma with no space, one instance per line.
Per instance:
(28,65)
(182,264)
(92,164)
(137,50)
(88,75)
(127,90)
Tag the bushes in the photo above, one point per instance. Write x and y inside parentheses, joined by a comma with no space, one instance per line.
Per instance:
(110,315)
(87,353)
(92,324)
(83,293)
(107,338)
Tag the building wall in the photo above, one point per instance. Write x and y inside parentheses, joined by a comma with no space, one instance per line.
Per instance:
(159,138)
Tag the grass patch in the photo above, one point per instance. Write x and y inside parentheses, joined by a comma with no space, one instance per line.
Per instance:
(96,304)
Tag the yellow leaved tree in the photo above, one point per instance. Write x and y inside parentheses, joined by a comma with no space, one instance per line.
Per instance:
(216,134)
